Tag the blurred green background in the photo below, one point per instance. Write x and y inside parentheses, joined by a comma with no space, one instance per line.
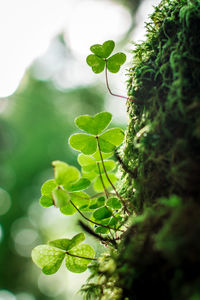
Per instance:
(35,124)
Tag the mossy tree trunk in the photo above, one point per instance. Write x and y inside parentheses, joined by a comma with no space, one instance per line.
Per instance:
(160,255)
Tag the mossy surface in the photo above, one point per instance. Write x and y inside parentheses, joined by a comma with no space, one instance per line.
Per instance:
(158,257)
(163,138)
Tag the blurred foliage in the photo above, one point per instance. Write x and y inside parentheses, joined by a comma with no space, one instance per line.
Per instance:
(35,128)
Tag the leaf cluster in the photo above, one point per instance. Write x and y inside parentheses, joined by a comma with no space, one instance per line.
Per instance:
(66,191)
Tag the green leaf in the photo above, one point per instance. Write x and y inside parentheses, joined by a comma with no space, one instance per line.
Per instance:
(79,265)
(104,50)
(89,175)
(65,174)
(99,203)
(87,144)
(69,209)
(97,63)
(101,230)
(80,199)
(46,201)
(97,156)
(94,125)
(77,239)
(61,244)
(110,139)
(98,187)
(114,62)
(48,187)
(102,213)
(61,198)
(80,185)
(114,203)
(109,166)
(48,258)
(67,244)
(85,160)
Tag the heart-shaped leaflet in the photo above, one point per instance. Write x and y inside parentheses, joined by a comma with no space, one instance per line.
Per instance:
(104,50)
(115,61)
(94,125)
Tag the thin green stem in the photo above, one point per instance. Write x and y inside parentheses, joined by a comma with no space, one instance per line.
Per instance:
(116,95)
(102,182)
(98,224)
(118,195)
(68,253)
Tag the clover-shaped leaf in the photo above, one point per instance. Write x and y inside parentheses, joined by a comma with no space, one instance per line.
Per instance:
(67,244)
(61,198)
(98,203)
(80,199)
(46,191)
(94,125)
(114,203)
(98,187)
(48,258)
(102,213)
(110,139)
(97,156)
(79,185)
(100,58)
(104,50)
(85,143)
(65,174)
(96,63)
(115,62)
(75,263)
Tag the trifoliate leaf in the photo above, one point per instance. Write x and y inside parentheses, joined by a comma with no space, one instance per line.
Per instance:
(61,244)
(114,62)
(110,139)
(67,244)
(69,209)
(65,174)
(48,187)
(114,203)
(87,144)
(104,50)
(80,185)
(94,125)
(80,200)
(96,63)
(77,239)
(98,187)
(46,201)
(48,258)
(76,264)
(61,198)
(102,213)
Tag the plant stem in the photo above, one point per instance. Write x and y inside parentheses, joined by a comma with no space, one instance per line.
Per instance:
(80,256)
(118,195)
(108,227)
(101,178)
(116,95)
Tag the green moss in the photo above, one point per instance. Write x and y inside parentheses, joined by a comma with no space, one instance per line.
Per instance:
(162,142)
(159,257)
